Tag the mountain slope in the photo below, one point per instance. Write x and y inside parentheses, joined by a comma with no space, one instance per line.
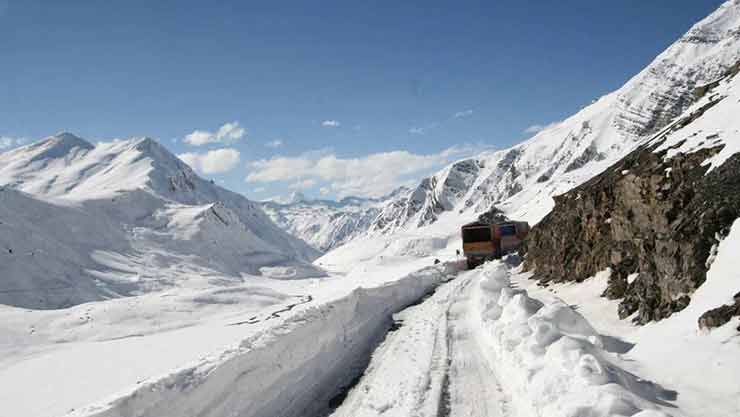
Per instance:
(170,226)
(523,179)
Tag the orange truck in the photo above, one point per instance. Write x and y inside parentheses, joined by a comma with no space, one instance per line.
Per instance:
(485,241)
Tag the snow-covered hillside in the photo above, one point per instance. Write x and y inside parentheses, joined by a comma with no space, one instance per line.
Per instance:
(522,179)
(83,222)
(327,224)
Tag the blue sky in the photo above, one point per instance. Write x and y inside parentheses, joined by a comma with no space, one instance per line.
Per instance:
(370,93)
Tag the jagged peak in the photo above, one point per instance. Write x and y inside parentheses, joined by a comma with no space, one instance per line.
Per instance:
(68,139)
(58,146)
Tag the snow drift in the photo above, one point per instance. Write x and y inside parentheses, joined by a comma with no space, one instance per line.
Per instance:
(554,363)
(292,369)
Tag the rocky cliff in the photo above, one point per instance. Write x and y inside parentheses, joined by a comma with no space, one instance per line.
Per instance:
(655,217)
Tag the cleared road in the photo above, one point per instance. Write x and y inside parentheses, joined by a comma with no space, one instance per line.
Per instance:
(431,364)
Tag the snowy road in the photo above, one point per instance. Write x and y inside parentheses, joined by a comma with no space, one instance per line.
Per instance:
(473,388)
(432,365)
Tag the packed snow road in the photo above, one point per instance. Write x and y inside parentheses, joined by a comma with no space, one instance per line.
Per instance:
(436,342)
(432,364)
(481,346)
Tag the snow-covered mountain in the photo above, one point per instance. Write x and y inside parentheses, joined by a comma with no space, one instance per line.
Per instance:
(522,179)
(84,222)
(327,224)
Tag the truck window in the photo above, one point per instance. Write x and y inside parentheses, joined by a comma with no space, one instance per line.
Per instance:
(478,234)
(508,230)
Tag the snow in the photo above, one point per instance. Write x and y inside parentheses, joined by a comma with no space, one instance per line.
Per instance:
(83,223)
(674,352)
(432,364)
(717,126)
(555,363)
(133,287)
(296,349)
(325,224)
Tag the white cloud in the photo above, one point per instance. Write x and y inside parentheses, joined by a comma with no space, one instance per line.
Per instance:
(330,123)
(216,161)
(461,114)
(259,190)
(302,185)
(228,133)
(9,142)
(274,143)
(417,130)
(537,128)
(371,175)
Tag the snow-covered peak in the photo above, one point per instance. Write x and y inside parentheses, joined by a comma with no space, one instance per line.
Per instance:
(68,167)
(58,146)
(86,222)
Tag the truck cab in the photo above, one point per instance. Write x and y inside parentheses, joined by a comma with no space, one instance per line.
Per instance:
(486,241)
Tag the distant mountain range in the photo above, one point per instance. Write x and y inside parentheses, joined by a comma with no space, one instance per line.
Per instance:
(327,224)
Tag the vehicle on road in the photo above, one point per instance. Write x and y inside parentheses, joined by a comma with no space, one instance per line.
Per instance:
(485,241)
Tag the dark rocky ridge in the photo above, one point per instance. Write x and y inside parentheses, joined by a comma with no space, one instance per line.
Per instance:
(647,215)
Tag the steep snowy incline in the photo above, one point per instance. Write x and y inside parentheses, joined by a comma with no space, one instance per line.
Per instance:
(524,178)
(122,218)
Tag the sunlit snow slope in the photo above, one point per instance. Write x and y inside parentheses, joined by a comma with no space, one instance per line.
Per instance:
(82,222)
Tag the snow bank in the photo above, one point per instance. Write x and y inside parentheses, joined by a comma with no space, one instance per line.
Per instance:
(299,271)
(418,246)
(552,360)
(292,369)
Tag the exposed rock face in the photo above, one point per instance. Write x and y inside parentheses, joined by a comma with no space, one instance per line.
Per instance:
(720,315)
(434,195)
(648,215)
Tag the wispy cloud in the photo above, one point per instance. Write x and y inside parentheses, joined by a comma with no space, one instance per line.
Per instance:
(371,175)
(11,142)
(274,143)
(537,128)
(216,161)
(420,130)
(462,114)
(330,123)
(228,133)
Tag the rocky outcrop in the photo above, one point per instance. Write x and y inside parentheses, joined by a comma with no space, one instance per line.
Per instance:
(647,215)
(720,315)
(655,217)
